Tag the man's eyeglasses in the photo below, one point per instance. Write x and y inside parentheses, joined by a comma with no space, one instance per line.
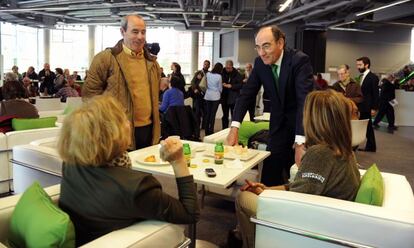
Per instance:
(265,47)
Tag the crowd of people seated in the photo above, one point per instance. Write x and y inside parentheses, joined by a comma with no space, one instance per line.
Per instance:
(49,83)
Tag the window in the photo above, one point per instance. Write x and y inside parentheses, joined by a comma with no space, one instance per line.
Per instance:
(227,44)
(412,46)
(69,48)
(21,46)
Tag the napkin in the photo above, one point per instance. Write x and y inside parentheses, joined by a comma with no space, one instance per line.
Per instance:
(235,164)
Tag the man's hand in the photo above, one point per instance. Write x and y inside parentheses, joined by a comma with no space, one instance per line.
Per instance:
(256,188)
(233,137)
(299,151)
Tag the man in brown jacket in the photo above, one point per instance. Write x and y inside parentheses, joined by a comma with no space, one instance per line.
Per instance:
(131,74)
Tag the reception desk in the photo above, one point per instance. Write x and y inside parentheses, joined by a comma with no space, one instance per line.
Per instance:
(404,111)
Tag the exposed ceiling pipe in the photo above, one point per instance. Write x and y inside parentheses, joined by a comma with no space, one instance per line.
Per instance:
(295,11)
(180,2)
(133,3)
(316,12)
(58,15)
(203,17)
(42,3)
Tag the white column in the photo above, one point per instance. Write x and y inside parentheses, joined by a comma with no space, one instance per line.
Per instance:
(194,53)
(46,41)
(91,42)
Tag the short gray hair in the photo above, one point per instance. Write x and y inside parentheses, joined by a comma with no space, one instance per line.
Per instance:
(10,76)
(124,21)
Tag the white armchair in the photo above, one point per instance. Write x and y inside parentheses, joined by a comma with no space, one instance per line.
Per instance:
(289,219)
(148,233)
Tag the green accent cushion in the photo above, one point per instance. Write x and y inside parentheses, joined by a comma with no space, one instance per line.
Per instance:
(37,222)
(24,124)
(371,190)
(248,128)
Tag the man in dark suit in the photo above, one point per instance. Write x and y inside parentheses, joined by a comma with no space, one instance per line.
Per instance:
(232,83)
(286,76)
(369,106)
(385,107)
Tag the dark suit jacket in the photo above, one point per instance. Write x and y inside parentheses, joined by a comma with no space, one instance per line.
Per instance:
(230,96)
(370,91)
(387,91)
(295,82)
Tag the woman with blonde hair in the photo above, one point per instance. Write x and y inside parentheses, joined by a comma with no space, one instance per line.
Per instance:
(99,190)
(328,167)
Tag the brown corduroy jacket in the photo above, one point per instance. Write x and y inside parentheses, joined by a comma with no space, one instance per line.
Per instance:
(105,76)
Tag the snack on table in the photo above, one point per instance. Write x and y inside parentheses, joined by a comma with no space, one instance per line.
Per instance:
(193,166)
(239,150)
(206,160)
(150,158)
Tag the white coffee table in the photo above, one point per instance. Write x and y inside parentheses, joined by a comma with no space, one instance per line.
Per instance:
(226,174)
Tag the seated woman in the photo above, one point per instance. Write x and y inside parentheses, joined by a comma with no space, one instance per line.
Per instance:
(67,90)
(14,102)
(99,190)
(328,167)
(173,96)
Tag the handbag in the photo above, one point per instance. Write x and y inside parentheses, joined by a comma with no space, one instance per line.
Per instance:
(203,83)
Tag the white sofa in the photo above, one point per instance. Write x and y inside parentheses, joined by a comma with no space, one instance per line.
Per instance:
(289,219)
(11,139)
(143,234)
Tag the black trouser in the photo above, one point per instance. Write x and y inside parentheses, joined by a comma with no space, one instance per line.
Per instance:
(252,108)
(371,145)
(199,113)
(225,119)
(143,136)
(385,109)
(211,110)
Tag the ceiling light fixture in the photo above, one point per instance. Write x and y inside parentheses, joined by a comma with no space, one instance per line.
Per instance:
(382,7)
(285,5)
(352,30)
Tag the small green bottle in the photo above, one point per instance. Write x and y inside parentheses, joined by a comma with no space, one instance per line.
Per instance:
(219,153)
(187,153)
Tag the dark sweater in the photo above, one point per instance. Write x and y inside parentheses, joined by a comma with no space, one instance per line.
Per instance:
(322,173)
(103,199)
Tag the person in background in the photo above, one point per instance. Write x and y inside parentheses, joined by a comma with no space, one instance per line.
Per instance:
(46,79)
(162,72)
(14,102)
(286,75)
(328,167)
(67,90)
(368,108)
(15,70)
(66,73)
(60,78)
(173,96)
(321,83)
(176,71)
(252,108)
(164,86)
(76,76)
(232,83)
(131,74)
(97,173)
(30,73)
(197,94)
(30,89)
(212,96)
(347,86)
(387,95)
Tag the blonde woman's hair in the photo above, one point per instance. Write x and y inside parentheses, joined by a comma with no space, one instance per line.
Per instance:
(327,121)
(94,134)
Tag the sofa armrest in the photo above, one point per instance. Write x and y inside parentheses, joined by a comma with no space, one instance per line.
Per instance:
(148,233)
(333,218)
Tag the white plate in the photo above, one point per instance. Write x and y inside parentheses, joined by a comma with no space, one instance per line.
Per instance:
(230,154)
(141,160)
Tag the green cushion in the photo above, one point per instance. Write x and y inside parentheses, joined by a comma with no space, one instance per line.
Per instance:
(24,124)
(37,222)
(371,190)
(248,128)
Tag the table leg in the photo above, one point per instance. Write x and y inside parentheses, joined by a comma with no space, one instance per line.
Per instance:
(203,195)
(192,233)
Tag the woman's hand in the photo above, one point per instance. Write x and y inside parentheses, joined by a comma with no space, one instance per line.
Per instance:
(256,188)
(172,151)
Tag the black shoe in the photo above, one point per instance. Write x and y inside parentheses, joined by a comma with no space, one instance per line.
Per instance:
(392,128)
(366,150)
(375,126)
(234,239)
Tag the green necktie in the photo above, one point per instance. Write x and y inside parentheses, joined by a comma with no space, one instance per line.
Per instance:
(275,76)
